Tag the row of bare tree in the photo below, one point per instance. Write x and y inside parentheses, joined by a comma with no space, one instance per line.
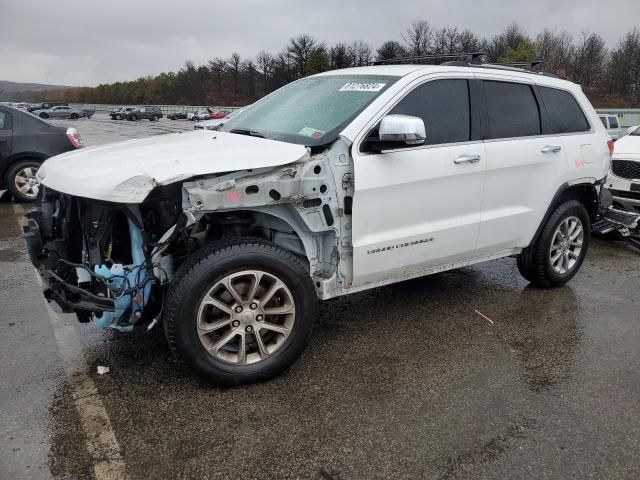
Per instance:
(609,76)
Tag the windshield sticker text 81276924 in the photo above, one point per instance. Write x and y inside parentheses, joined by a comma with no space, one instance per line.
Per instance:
(362,87)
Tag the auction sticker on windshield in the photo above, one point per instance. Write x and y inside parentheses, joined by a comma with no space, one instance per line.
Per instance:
(311,132)
(362,87)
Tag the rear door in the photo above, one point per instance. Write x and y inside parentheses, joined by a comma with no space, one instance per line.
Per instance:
(523,164)
(418,207)
(6,136)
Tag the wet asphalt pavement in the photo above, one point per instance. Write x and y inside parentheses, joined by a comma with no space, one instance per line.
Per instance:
(404,381)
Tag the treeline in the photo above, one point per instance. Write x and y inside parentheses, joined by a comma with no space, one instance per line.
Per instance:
(611,77)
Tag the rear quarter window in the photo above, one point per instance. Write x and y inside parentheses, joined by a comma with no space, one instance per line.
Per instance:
(564,110)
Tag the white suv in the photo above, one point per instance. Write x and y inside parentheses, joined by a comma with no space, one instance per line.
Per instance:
(334,184)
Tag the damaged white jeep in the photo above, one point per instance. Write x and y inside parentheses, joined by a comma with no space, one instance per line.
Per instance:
(333,184)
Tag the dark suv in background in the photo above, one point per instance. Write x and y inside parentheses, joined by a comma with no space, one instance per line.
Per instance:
(150,113)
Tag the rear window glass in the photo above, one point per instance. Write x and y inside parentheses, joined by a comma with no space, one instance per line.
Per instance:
(513,110)
(566,115)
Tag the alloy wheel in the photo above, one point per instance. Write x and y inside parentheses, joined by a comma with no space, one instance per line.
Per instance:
(26,182)
(566,245)
(246,317)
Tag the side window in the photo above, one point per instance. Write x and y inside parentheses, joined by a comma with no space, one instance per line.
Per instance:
(444,107)
(3,121)
(566,114)
(513,110)
(604,121)
(613,121)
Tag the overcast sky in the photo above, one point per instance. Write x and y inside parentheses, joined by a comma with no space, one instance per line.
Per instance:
(86,42)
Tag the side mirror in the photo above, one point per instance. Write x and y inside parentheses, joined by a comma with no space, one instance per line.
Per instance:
(402,130)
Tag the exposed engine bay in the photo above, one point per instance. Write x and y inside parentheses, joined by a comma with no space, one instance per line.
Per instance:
(111,263)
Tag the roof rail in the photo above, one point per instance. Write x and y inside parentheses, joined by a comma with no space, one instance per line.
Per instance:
(474,58)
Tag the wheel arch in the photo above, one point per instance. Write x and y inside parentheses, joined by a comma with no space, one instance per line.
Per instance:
(585,191)
(12,160)
(277,224)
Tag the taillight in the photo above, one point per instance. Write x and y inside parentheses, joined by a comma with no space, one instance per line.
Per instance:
(74,137)
(610,145)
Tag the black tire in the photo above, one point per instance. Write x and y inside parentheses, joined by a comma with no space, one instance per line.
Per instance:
(534,262)
(10,178)
(44,115)
(200,273)
(133,118)
(74,116)
(154,118)
(118,117)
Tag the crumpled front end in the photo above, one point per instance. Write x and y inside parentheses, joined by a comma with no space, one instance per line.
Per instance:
(94,259)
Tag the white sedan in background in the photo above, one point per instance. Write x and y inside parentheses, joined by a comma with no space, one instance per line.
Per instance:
(624,179)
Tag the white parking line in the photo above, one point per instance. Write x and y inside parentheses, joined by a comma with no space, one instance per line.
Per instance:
(101,441)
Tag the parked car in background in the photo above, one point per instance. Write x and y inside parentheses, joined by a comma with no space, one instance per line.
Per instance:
(121,113)
(624,179)
(25,142)
(612,124)
(147,112)
(200,115)
(45,105)
(63,112)
(219,115)
(378,175)
(216,124)
(178,116)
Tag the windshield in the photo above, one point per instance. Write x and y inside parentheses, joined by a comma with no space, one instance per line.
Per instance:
(311,111)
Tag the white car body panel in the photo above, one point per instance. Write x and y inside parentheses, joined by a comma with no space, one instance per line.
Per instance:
(627,148)
(127,171)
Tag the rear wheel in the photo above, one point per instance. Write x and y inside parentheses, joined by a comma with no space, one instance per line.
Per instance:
(74,116)
(44,115)
(154,118)
(558,253)
(134,118)
(118,117)
(240,312)
(21,180)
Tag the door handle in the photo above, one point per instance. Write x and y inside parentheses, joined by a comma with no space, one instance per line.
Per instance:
(467,159)
(551,149)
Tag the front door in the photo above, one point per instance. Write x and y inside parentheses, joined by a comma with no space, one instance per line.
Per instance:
(418,208)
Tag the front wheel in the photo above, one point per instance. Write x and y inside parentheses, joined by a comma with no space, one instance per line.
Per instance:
(154,118)
(557,255)
(44,115)
(134,118)
(240,312)
(74,116)
(118,117)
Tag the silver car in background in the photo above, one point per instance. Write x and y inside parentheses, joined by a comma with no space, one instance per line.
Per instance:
(63,111)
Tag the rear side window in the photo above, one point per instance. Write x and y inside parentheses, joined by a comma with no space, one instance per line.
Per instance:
(604,122)
(444,107)
(566,115)
(513,110)
(613,121)
(3,120)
